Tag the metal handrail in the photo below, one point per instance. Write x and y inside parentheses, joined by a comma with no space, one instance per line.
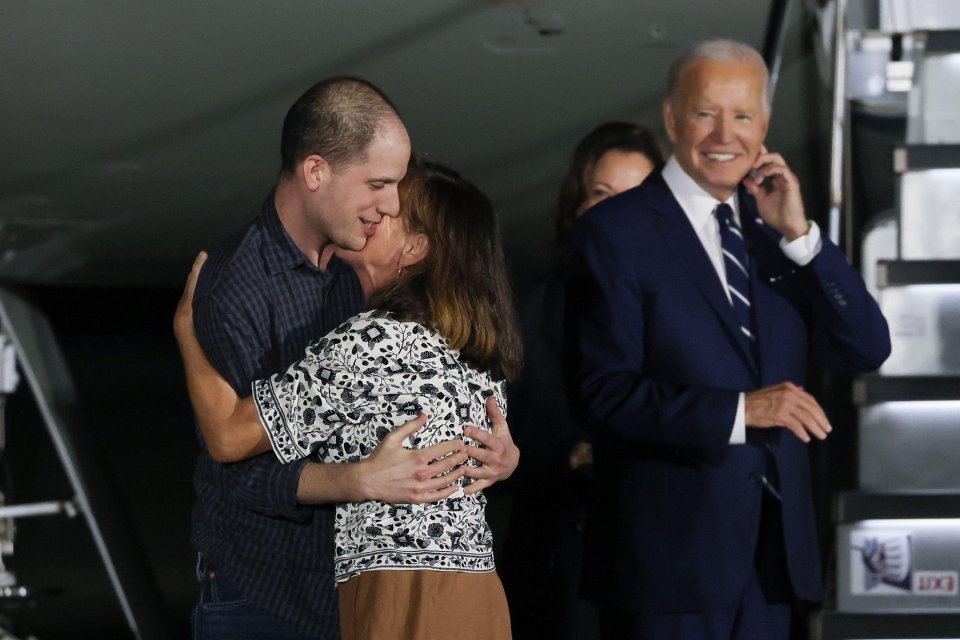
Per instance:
(773,55)
(773,42)
(49,508)
(838,127)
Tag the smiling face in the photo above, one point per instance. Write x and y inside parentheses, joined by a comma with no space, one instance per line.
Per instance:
(394,246)
(356,198)
(717,121)
(615,172)
(383,256)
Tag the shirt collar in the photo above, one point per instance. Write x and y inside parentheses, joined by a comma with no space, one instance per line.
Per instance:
(695,202)
(280,252)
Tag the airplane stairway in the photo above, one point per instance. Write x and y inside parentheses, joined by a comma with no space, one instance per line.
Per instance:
(28,346)
(898,533)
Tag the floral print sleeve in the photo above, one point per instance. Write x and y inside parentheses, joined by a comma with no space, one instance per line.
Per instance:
(347,378)
(353,387)
(365,378)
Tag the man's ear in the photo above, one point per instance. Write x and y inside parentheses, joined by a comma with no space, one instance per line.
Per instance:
(315,172)
(415,249)
(766,123)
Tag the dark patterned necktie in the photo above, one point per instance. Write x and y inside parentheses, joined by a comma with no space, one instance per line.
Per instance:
(736,264)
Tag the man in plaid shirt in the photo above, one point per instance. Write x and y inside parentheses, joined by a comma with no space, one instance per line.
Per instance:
(265,561)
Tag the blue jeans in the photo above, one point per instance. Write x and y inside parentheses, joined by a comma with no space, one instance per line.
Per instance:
(223,613)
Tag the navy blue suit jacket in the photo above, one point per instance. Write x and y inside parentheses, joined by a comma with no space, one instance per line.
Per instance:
(658,370)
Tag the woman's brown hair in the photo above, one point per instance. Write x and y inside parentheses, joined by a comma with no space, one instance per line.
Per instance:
(460,288)
(620,136)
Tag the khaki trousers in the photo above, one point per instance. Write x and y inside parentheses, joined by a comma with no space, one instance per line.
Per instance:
(423,605)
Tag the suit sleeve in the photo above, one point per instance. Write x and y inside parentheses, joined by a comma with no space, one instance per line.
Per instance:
(236,349)
(849,332)
(618,393)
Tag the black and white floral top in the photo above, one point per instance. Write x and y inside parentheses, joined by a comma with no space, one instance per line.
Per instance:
(367,377)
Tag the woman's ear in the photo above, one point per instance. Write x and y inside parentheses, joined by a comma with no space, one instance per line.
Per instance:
(414,250)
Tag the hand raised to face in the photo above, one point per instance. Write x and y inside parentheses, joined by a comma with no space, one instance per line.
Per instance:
(777,191)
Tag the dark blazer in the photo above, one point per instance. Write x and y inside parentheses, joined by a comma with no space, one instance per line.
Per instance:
(658,369)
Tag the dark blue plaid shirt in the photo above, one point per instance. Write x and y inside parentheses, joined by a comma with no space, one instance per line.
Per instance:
(258,303)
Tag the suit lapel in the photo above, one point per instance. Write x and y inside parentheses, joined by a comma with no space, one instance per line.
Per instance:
(759,245)
(676,231)
(766,263)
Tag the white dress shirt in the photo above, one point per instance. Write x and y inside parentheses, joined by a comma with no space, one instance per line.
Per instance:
(698,205)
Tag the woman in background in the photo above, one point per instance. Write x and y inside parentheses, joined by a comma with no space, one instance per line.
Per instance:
(543,549)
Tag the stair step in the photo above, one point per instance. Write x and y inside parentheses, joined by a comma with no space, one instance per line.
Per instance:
(920,157)
(909,446)
(896,273)
(856,626)
(942,41)
(872,389)
(856,506)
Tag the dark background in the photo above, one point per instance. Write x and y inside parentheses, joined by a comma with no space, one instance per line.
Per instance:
(136,426)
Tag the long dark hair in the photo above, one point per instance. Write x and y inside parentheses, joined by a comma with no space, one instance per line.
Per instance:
(622,136)
(461,287)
